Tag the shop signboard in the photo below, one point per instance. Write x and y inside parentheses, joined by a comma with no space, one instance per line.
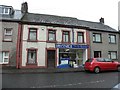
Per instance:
(71,46)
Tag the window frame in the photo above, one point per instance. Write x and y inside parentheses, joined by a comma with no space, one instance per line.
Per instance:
(110,53)
(52,33)
(7,35)
(3,57)
(29,30)
(83,40)
(110,40)
(29,50)
(4,10)
(100,54)
(63,36)
(95,39)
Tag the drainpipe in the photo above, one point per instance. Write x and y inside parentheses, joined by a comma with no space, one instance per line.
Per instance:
(72,35)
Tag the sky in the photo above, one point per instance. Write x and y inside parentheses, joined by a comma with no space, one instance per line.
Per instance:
(89,10)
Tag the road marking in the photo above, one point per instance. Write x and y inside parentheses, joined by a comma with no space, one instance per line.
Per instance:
(117,86)
(69,84)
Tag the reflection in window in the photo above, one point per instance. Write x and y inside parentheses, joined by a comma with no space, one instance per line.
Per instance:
(112,54)
(97,37)
(32,34)
(66,37)
(31,56)
(51,35)
(112,38)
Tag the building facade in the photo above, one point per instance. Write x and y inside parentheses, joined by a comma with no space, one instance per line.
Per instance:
(49,46)
(9,25)
(29,40)
(104,44)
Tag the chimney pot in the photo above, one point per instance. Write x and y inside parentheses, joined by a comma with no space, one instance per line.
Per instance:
(102,20)
(24,7)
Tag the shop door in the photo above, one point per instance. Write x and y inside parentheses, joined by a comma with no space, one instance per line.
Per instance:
(51,58)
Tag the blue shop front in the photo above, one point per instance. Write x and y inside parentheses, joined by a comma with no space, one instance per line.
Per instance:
(71,55)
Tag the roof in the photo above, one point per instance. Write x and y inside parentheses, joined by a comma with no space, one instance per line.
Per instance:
(16,16)
(69,21)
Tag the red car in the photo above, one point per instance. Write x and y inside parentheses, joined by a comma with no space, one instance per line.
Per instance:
(101,64)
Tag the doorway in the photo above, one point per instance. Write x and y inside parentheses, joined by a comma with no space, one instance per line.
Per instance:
(51,58)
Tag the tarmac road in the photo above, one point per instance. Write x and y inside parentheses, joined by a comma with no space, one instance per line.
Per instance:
(61,80)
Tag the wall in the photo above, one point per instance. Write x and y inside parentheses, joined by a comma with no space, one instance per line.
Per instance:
(42,43)
(104,46)
(9,46)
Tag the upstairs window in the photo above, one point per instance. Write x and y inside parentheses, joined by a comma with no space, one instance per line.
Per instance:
(7,34)
(51,35)
(32,35)
(112,38)
(97,38)
(4,10)
(80,37)
(66,36)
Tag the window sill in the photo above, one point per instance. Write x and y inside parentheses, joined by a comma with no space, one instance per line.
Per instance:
(112,43)
(6,41)
(32,40)
(31,63)
(51,41)
(96,42)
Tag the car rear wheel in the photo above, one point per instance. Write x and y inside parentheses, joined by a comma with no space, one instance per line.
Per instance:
(118,68)
(97,70)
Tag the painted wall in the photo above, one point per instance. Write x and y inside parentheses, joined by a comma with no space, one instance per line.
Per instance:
(42,43)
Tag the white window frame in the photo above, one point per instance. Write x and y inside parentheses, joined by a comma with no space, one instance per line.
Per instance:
(4,10)
(5,31)
(4,57)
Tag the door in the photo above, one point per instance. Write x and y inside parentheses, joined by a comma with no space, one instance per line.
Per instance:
(51,58)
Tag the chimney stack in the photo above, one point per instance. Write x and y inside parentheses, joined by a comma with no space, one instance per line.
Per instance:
(24,7)
(102,20)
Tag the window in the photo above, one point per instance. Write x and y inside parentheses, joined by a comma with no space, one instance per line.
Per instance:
(4,10)
(100,60)
(32,34)
(7,34)
(97,54)
(112,54)
(51,35)
(112,38)
(66,36)
(108,60)
(97,38)
(80,37)
(4,57)
(31,56)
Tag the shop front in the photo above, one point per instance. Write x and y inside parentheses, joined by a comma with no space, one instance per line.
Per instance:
(71,55)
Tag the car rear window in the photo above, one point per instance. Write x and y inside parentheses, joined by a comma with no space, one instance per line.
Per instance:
(89,60)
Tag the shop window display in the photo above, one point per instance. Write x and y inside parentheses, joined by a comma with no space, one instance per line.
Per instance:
(73,57)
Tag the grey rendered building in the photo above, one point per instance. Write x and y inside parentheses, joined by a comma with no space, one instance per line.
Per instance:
(104,41)
(9,26)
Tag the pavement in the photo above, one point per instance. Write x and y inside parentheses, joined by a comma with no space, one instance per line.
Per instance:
(40,70)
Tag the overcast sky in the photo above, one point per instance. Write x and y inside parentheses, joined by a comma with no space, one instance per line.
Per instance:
(90,10)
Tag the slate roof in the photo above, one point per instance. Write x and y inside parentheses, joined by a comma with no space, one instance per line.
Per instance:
(69,21)
(14,17)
